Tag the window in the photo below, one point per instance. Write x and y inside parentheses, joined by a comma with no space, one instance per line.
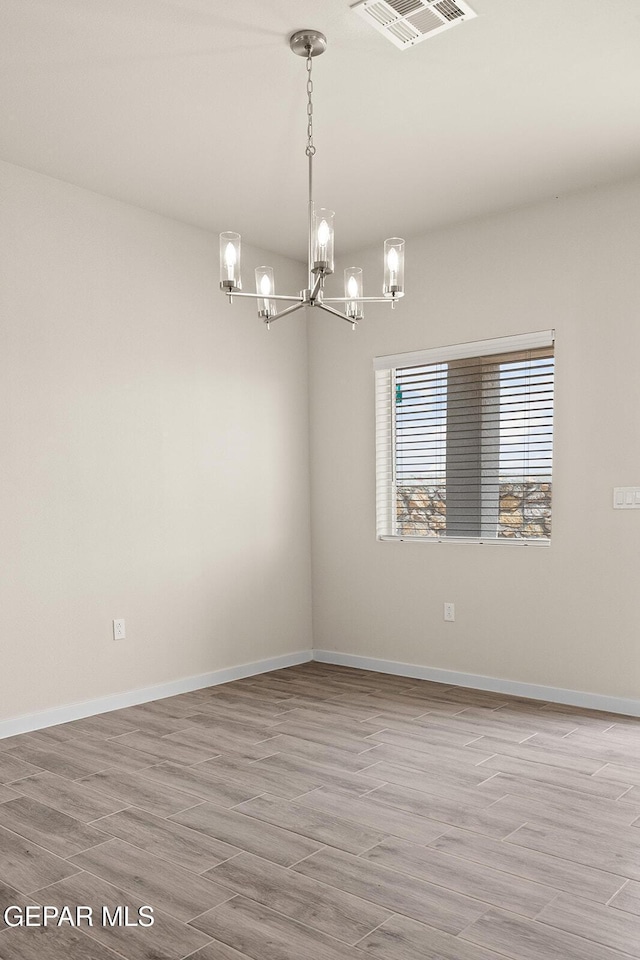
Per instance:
(464,441)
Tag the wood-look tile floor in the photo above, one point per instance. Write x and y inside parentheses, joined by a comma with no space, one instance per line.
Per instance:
(328,813)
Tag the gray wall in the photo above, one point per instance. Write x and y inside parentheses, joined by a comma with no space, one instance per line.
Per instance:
(567,615)
(153,454)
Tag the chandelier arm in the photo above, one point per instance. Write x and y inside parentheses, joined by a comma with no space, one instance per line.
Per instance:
(359,299)
(283,313)
(317,287)
(261,296)
(336,313)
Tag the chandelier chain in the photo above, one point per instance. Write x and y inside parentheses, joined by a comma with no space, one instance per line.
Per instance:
(310,151)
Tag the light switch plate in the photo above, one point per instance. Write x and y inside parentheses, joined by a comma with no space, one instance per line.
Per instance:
(626,498)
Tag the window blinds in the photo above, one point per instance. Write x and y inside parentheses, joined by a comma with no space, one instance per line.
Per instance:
(464,441)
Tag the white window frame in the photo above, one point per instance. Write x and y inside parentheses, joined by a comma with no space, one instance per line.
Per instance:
(385,386)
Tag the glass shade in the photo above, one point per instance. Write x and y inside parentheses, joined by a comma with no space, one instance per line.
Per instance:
(353,292)
(322,241)
(393,267)
(230,261)
(266,287)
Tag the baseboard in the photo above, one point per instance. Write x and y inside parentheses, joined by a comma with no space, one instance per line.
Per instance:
(533,691)
(89,708)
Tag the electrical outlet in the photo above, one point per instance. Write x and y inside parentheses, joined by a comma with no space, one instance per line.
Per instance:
(450,611)
(118,630)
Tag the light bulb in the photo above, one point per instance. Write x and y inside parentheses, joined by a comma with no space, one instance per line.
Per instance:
(230,261)
(265,285)
(393,282)
(392,263)
(353,291)
(323,233)
(230,256)
(322,241)
(265,288)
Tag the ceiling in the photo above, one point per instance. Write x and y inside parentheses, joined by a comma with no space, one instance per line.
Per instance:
(196,109)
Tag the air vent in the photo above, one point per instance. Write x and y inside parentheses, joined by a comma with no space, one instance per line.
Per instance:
(407,22)
(404,7)
(449,10)
(403,33)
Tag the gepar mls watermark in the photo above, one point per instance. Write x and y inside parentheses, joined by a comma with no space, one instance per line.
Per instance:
(116,916)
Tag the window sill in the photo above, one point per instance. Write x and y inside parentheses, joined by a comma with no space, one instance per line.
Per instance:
(503,541)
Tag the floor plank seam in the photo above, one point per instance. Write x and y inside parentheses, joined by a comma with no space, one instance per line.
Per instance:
(381,924)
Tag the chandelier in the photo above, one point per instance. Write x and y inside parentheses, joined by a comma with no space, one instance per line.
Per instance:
(310,44)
